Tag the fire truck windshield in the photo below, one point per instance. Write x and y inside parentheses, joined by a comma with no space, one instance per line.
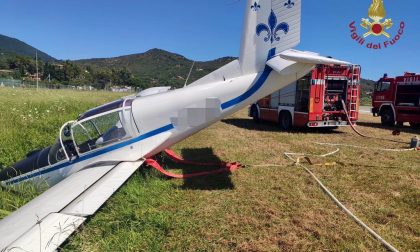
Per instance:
(382,86)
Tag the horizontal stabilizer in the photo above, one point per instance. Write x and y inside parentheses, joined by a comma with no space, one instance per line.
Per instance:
(309,58)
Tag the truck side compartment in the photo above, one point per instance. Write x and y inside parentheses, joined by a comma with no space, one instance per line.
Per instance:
(314,100)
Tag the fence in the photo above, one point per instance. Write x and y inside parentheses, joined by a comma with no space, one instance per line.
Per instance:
(11,83)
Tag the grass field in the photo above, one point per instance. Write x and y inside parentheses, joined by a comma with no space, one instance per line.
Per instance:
(257,208)
(30,120)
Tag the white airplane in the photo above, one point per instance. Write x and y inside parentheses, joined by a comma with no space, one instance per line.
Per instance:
(98,152)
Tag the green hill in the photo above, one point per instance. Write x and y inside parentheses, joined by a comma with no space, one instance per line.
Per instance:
(367,85)
(155,67)
(11,46)
(159,67)
(162,67)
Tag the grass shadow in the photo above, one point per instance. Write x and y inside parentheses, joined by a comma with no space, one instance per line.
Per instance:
(221,181)
(249,124)
(404,129)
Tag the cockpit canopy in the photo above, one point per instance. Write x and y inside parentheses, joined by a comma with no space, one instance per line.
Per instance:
(106,108)
(95,129)
(99,131)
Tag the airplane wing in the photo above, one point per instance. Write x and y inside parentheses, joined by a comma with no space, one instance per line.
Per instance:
(47,221)
(284,63)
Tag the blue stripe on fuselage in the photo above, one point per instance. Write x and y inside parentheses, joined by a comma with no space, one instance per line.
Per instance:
(254,88)
(94,154)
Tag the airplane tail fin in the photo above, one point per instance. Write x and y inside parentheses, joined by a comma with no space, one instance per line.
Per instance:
(270,27)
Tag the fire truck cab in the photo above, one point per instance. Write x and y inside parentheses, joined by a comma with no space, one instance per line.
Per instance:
(314,100)
(397,100)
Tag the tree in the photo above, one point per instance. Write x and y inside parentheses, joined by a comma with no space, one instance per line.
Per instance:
(71,71)
(121,77)
(54,72)
(102,78)
(24,65)
(3,63)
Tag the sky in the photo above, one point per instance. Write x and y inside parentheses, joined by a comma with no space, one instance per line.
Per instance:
(203,29)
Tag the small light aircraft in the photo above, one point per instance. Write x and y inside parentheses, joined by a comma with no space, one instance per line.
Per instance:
(95,154)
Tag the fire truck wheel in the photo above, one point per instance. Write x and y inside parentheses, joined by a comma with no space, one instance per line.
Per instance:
(415,125)
(332,128)
(254,114)
(285,120)
(387,117)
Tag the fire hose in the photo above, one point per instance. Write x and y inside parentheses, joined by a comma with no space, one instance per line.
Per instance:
(358,132)
(338,203)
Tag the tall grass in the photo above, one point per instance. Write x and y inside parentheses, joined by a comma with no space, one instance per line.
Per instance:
(30,120)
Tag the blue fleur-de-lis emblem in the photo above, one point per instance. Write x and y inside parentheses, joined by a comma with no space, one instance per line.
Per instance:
(289,4)
(272,28)
(255,6)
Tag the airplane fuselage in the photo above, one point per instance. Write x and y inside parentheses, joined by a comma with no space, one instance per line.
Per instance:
(164,119)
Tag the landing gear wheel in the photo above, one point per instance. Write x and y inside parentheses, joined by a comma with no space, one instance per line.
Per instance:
(254,115)
(415,125)
(387,118)
(285,121)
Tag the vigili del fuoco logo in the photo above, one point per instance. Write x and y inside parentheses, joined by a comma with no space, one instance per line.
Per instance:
(377,25)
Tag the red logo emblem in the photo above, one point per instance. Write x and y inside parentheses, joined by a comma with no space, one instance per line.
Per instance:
(376,25)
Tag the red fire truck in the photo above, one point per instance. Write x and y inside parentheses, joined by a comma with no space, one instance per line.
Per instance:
(397,100)
(314,100)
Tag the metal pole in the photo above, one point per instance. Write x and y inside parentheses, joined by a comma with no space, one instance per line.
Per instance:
(189,74)
(36,60)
